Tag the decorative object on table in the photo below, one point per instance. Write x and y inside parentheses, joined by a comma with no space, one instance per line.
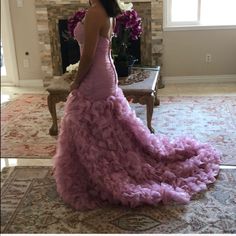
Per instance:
(128,28)
(72,68)
(134,78)
(71,72)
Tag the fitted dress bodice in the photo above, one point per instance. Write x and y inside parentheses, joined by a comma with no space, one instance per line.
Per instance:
(101,79)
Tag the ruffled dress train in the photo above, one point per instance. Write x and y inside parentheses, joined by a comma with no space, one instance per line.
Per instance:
(106,155)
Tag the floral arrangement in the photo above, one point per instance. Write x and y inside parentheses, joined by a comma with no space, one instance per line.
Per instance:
(128,28)
(128,24)
(73,20)
(129,21)
(125,6)
(72,68)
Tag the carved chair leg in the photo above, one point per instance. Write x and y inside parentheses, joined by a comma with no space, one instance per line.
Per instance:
(150,105)
(52,109)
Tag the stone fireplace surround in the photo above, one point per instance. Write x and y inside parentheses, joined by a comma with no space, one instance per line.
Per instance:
(48,12)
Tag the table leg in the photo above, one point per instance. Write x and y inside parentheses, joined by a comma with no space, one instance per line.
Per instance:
(52,109)
(157,100)
(160,83)
(150,105)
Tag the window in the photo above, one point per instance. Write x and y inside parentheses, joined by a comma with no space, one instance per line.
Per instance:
(199,13)
(3,67)
(9,71)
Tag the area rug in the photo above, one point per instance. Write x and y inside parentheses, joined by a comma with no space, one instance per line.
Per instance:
(30,204)
(25,128)
(207,119)
(26,122)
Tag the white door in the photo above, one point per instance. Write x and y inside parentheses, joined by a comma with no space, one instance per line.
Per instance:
(9,69)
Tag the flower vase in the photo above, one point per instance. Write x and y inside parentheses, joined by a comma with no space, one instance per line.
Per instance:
(122,68)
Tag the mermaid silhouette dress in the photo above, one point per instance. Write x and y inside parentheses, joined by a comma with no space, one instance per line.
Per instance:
(106,155)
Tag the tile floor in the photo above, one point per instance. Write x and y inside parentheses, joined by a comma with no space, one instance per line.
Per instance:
(228,89)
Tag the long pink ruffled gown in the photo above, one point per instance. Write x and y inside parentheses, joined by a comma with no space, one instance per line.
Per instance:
(105,154)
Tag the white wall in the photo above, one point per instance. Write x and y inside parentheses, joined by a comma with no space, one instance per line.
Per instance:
(26,40)
(185,52)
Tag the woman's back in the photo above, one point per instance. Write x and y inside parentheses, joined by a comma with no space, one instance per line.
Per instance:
(101,80)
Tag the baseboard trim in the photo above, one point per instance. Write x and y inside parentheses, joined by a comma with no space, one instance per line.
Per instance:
(31,83)
(7,84)
(200,79)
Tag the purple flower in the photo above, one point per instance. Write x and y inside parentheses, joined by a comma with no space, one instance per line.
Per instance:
(129,20)
(73,20)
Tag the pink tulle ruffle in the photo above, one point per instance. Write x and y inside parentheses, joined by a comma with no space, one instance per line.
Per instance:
(105,154)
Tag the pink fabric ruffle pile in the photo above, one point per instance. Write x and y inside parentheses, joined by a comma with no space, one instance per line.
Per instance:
(106,155)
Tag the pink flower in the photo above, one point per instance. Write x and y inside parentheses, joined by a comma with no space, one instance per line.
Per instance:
(73,20)
(129,20)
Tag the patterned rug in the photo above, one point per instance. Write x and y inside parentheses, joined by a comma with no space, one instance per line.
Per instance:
(30,204)
(25,128)
(26,122)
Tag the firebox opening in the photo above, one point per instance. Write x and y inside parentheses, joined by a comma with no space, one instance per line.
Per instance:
(70,51)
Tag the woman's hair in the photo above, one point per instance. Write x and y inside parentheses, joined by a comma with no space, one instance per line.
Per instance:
(111,6)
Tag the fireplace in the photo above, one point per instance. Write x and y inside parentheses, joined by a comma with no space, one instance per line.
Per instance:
(50,12)
(70,50)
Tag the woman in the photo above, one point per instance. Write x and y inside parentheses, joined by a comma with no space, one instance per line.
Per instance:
(105,154)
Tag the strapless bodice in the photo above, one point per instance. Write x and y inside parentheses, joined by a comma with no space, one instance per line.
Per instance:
(103,42)
(101,81)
